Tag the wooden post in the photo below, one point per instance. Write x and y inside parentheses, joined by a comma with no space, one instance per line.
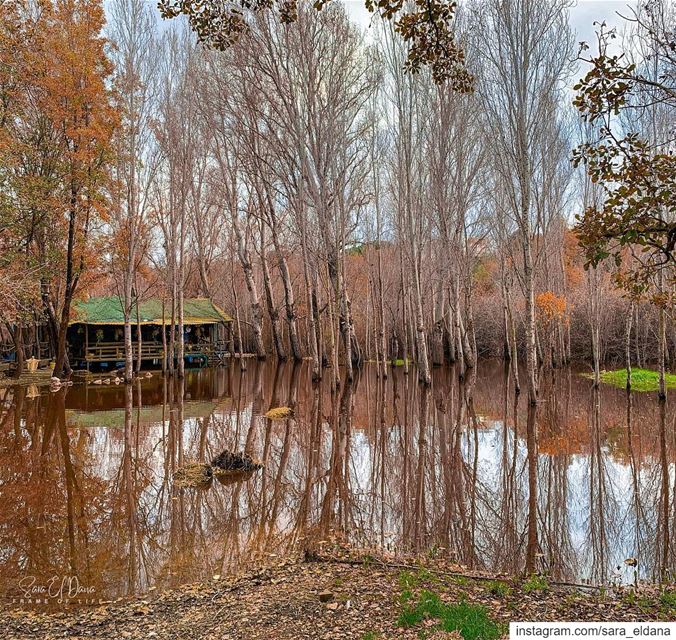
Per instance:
(86,354)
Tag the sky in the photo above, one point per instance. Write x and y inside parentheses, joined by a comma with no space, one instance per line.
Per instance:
(585,17)
(583,14)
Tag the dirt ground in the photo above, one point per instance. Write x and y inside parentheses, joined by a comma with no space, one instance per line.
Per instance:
(326,599)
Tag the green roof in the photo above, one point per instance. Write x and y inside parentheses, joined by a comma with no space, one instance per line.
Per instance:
(108,310)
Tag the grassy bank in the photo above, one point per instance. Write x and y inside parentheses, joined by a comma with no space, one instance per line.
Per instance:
(327,599)
(641,379)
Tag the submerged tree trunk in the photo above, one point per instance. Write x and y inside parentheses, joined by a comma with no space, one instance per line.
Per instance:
(424,376)
(595,312)
(313,322)
(627,344)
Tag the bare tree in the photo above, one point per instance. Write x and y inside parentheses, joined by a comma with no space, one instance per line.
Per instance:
(527,49)
(132,30)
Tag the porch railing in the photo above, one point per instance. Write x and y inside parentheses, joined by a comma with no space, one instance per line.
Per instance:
(114,351)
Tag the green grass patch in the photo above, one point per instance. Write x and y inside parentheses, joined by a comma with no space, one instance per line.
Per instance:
(472,621)
(668,599)
(367,560)
(371,635)
(399,362)
(499,588)
(641,379)
(410,580)
(535,583)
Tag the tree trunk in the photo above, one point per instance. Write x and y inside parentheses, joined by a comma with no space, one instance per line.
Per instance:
(139,336)
(438,332)
(661,341)
(458,329)
(256,312)
(128,350)
(164,338)
(17,336)
(289,302)
(127,303)
(531,344)
(506,349)
(273,312)
(181,332)
(313,315)
(61,365)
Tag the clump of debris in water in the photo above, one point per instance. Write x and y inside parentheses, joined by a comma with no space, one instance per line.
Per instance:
(227,467)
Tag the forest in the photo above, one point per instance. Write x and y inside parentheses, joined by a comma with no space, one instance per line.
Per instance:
(441,187)
(346,318)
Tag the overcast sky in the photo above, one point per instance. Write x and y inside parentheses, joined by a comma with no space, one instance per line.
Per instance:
(585,17)
(582,15)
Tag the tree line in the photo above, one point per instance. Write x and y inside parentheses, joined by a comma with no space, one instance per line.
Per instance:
(345,201)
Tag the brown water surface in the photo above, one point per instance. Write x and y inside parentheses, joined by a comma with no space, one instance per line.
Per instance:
(86,476)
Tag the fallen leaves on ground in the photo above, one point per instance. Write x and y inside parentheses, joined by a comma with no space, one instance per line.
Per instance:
(289,601)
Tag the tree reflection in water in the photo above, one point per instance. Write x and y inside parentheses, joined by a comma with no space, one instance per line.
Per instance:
(86,475)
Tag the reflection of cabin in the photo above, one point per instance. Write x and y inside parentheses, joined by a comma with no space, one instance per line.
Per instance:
(96,332)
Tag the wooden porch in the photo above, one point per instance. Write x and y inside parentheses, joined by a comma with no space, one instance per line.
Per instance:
(150,351)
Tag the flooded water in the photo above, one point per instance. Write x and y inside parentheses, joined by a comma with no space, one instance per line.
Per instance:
(87,490)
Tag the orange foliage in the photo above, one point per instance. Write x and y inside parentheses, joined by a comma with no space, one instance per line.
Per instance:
(550,307)
(572,259)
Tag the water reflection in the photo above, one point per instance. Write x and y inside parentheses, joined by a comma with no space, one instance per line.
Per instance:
(86,475)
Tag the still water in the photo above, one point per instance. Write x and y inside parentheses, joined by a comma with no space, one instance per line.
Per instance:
(86,475)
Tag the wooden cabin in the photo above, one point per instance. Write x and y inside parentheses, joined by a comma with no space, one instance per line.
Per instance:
(96,332)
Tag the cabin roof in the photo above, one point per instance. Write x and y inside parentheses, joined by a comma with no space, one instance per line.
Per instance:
(108,311)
